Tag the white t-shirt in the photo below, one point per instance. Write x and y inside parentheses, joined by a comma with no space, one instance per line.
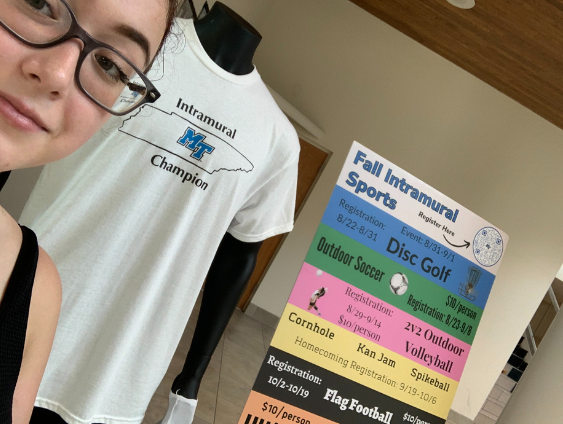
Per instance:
(133,220)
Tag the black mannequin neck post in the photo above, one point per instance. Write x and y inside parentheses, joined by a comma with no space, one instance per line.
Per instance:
(228,39)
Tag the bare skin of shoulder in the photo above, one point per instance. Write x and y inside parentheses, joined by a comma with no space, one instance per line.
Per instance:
(43,316)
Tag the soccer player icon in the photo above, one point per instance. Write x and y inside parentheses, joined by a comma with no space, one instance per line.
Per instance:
(314,297)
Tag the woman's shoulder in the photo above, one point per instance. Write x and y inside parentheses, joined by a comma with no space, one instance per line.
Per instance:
(47,280)
(42,322)
(45,306)
(46,295)
(9,229)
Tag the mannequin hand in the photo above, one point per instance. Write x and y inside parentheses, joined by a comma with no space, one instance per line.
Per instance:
(180,410)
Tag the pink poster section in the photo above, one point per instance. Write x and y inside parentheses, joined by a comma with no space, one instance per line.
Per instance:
(354,310)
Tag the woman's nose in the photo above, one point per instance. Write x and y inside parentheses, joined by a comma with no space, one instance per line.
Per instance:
(51,70)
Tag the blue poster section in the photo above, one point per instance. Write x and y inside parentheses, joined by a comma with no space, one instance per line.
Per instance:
(407,246)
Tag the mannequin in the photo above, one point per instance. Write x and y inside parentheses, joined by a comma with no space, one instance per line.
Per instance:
(228,39)
(230,42)
(227,278)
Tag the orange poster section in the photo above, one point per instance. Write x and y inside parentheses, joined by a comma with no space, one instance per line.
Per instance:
(274,411)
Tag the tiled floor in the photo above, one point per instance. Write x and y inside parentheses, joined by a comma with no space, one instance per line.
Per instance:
(230,375)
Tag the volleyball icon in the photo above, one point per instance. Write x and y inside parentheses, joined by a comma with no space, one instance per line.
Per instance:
(399,284)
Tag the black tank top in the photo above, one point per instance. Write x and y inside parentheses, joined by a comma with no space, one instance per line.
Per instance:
(3,178)
(14,312)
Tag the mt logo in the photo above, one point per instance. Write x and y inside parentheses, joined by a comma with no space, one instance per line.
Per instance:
(194,141)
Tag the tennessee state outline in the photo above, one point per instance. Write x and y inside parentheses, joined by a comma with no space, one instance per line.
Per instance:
(184,139)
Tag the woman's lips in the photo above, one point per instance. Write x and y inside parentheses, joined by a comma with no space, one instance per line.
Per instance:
(19,115)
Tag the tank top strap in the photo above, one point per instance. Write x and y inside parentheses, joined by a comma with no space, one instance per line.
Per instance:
(3,178)
(14,313)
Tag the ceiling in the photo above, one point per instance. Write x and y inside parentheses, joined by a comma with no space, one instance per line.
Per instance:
(515,46)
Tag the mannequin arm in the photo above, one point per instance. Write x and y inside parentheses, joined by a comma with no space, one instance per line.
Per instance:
(226,281)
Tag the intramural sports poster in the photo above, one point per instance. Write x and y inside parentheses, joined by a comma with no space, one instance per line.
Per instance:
(382,317)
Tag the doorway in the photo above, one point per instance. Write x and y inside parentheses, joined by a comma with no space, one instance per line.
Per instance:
(312,160)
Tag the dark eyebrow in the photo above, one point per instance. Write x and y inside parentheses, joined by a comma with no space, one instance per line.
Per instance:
(136,37)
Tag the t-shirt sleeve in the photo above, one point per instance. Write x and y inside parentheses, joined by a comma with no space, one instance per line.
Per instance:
(269,210)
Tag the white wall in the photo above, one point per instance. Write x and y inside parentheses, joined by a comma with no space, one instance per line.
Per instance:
(357,78)
(537,397)
(17,189)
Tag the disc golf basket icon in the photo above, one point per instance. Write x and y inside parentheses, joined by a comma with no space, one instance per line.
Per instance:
(468,290)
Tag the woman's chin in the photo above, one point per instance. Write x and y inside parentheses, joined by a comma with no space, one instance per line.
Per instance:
(19,152)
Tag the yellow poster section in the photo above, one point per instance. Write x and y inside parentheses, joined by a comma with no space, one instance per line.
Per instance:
(313,339)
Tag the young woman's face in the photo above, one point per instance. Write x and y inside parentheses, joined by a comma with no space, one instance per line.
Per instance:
(43,114)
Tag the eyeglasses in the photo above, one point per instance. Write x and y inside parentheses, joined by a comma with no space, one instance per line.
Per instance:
(105,75)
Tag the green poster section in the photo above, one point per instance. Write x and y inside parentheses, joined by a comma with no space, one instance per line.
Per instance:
(370,271)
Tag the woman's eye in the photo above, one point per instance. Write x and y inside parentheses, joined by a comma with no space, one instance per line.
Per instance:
(111,69)
(42,6)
